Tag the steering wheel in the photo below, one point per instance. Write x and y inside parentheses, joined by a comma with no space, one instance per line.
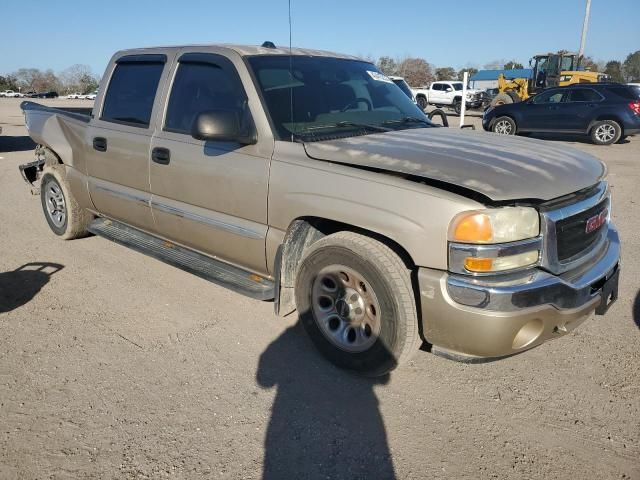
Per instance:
(355,102)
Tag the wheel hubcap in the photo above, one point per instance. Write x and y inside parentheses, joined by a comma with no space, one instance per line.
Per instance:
(345,308)
(56,207)
(503,128)
(605,133)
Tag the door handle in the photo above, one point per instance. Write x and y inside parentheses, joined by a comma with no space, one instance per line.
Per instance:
(553,107)
(100,144)
(161,155)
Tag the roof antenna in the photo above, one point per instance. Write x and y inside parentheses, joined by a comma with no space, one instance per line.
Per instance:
(290,71)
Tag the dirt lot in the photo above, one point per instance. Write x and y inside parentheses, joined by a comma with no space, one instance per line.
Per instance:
(118,366)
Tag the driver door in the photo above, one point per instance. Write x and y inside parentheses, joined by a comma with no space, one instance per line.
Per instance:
(543,113)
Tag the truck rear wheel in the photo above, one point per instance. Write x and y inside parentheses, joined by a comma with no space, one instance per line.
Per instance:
(422,102)
(65,217)
(355,300)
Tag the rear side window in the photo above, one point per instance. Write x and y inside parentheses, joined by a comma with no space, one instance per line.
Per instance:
(584,95)
(199,87)
(131,93)
(630,93)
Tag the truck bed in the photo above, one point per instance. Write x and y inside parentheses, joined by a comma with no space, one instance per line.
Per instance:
(60,129)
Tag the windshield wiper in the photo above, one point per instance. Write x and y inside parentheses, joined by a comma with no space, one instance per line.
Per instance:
(346,123)
(407,120)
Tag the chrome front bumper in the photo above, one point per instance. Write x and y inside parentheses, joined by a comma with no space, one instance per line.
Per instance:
(479,317)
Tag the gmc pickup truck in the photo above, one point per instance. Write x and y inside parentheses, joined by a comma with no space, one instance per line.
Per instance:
(309,178)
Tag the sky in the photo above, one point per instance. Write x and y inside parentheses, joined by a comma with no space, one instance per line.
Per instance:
(45,34)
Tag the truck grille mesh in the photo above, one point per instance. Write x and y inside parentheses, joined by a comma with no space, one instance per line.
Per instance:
(571,234)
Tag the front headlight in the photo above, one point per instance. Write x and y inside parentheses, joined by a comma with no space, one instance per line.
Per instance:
(494,240)
(565,78)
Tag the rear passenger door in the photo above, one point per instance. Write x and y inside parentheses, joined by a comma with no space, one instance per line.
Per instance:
(119,139)
(208,195)
(581,104)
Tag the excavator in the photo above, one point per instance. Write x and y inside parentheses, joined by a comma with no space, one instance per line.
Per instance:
(549,70)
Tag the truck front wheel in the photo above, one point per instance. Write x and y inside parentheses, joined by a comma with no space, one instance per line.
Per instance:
(65,217)
(355,300)
(457,106)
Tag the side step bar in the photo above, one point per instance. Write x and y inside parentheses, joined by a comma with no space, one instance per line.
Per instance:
(215,271)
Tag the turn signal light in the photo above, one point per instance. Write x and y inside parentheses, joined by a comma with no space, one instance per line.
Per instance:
(474,228)
(474,264)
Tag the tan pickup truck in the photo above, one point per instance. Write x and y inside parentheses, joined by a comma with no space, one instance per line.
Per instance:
(311,179)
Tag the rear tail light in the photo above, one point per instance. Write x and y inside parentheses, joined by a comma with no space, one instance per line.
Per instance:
(635,106)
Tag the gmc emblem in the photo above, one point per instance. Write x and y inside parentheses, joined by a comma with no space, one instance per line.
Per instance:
(595,222)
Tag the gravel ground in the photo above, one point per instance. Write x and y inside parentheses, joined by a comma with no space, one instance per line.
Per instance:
(114,365)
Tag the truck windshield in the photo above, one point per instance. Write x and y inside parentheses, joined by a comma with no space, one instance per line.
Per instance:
(315,98)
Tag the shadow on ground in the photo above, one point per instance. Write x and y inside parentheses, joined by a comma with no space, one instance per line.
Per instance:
(636,310)
(325,423)
(16,144)
(21,285)
(566,137)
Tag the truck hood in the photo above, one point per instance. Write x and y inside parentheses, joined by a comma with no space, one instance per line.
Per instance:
(499,167)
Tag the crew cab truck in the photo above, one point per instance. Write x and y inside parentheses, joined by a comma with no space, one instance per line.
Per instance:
(447,93)
(310,179)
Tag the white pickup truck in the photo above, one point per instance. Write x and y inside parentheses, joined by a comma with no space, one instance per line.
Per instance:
(448,92)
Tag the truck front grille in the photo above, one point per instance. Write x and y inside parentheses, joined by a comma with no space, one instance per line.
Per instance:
(567,242)
(571,233)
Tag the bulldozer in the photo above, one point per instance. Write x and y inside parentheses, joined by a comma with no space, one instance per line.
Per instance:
(549,70)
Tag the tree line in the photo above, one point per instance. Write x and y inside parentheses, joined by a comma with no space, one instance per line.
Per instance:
(418,72)
(77,78)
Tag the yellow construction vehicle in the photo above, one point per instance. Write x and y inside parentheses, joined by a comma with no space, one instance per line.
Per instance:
(549,70)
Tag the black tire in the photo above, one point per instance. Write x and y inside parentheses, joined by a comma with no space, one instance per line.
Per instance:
(390,285)
(606,132)
(502,99)
(504,126)
(74,222)
(422,102)
(457,106)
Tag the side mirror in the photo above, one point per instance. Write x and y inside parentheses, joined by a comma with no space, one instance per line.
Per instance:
(449,89)
(222,126)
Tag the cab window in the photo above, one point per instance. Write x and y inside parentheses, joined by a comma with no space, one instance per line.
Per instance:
(132,91)
(200,86)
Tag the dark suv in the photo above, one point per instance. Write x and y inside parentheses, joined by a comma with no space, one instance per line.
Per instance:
(608,112)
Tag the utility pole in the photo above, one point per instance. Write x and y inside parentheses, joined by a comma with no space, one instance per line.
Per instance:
(583,39)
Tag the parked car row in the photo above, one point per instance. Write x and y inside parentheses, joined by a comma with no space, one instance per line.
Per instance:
(50,94)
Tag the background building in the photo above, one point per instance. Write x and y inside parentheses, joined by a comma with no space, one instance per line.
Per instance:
(489,78)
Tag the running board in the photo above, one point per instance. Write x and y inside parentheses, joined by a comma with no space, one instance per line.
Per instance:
(210,269)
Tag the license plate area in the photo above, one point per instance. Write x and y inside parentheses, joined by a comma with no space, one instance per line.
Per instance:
(608,287)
